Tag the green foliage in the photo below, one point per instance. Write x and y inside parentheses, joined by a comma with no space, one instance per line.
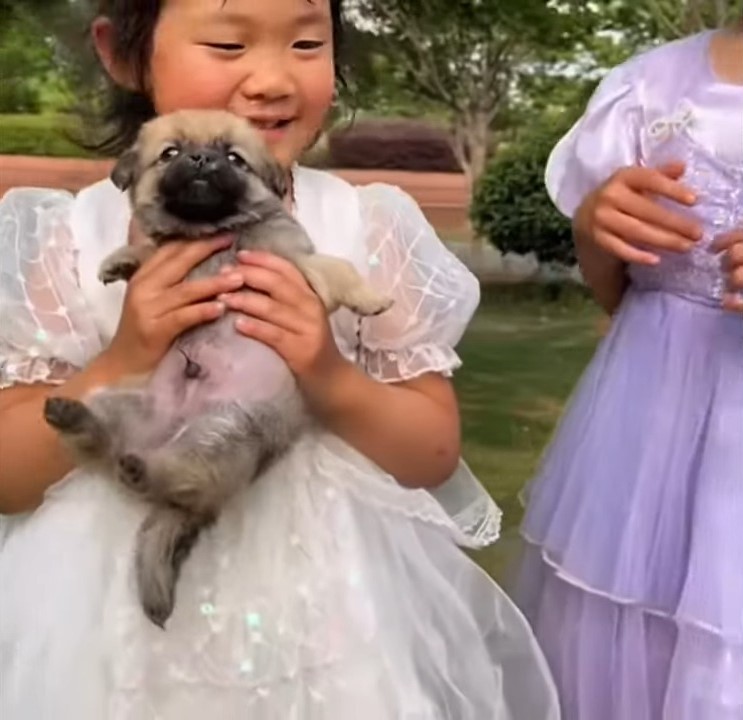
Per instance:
(51,135)
(32,77)
(511,208)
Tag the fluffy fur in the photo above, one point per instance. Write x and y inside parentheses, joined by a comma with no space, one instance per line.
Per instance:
(219,406)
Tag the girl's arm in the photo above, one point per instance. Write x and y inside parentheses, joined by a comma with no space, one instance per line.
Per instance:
(33,458)
(410,429)
(605,274)
(158,307)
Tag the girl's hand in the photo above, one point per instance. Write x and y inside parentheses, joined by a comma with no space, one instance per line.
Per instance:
(159,305)
(621,216)
(731,245)
(284,313)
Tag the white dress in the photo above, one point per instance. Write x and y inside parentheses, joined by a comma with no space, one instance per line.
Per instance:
(326,591)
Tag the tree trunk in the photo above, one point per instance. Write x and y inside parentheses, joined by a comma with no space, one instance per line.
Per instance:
(471,144)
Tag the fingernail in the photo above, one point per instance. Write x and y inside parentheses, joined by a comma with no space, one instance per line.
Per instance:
(235,278)
(225,269)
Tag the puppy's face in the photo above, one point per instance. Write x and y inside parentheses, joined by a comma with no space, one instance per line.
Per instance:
(197,169)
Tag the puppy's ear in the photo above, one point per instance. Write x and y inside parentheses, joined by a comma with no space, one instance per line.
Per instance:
(125,170)
(275,178)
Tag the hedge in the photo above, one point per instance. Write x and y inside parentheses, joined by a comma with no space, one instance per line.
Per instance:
(392,145)
(511,208)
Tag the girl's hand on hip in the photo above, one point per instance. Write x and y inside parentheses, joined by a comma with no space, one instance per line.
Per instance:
(281,310)
(623,218)
(160,305)
(731,246)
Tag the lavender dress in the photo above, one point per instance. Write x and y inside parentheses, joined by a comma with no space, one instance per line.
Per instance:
(633,576)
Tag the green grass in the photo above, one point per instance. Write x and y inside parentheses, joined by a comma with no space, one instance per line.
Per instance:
(521,361)
(50,135)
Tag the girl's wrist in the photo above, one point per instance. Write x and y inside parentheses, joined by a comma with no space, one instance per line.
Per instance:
(331,392)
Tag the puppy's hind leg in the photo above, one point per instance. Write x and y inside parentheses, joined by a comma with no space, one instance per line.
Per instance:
(338,284)
(165,540)
(211,457)
(80,429)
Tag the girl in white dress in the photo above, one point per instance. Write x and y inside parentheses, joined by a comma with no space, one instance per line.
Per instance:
(333,587)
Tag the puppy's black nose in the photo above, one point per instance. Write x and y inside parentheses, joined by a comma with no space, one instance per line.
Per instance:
(201,159)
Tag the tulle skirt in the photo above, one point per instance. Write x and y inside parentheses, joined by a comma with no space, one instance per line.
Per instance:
(634,528)
(324,592)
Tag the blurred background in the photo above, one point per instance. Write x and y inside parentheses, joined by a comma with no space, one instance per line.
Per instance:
(457,102)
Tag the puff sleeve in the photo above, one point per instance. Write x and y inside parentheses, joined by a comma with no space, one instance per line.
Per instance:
(605,139)
(46,329)
(435,297)
(435,294)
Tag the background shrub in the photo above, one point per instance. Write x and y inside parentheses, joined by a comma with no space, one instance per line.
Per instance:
(511,208)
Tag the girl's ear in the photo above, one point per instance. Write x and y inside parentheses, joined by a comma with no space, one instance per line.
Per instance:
(104,39)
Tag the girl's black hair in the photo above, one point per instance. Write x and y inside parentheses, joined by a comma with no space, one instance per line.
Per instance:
(134,23)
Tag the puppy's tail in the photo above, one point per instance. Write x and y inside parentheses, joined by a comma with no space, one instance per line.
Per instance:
(165,540)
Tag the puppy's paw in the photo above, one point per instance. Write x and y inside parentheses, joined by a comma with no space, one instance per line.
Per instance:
(132,471)
(67,416)
(157,606)
(118,268)
(369,304)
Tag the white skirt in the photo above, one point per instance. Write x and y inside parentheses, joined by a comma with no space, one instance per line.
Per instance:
(325,592)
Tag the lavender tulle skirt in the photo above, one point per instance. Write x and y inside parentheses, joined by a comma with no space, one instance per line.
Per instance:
(633,567)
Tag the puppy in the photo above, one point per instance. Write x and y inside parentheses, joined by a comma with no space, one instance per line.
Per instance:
(219,406)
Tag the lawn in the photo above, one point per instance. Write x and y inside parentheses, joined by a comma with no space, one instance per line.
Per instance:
(521,361)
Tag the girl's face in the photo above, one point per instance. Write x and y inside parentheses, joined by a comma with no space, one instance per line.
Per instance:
(269,61)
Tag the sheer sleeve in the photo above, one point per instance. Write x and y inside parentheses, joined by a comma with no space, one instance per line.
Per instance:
(46,329)
(435,294)
(435,297)
(605,139)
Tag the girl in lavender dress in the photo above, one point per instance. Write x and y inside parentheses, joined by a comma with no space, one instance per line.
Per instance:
(632,576)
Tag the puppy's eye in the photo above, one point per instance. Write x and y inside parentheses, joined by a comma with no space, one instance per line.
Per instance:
(237,160)
(169,153)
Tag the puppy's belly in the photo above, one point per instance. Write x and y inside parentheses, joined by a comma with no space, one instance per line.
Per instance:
(233,368)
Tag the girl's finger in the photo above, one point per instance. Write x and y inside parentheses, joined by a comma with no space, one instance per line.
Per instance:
(661,182)
(629,254)
(735,278)
(288,289)
(172,262)
(733,302)
(728,240)
(263,307)
(271,335)
(194,291)
(650,236)
(279,265)
(185,318)
(679,229)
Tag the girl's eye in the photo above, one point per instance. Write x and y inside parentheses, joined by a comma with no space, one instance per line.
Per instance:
(236,160)
(169,153)
(308,44)
(225,47)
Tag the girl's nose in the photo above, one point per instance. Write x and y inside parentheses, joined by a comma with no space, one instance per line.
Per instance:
(268,78)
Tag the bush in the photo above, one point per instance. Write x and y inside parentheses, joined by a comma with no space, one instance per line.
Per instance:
(511,208)
(392,145)
(50,135)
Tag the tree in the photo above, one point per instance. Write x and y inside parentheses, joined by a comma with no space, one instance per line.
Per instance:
(462,57)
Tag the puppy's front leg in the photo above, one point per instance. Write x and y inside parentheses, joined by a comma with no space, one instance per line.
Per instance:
(338,284)
(124,262)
